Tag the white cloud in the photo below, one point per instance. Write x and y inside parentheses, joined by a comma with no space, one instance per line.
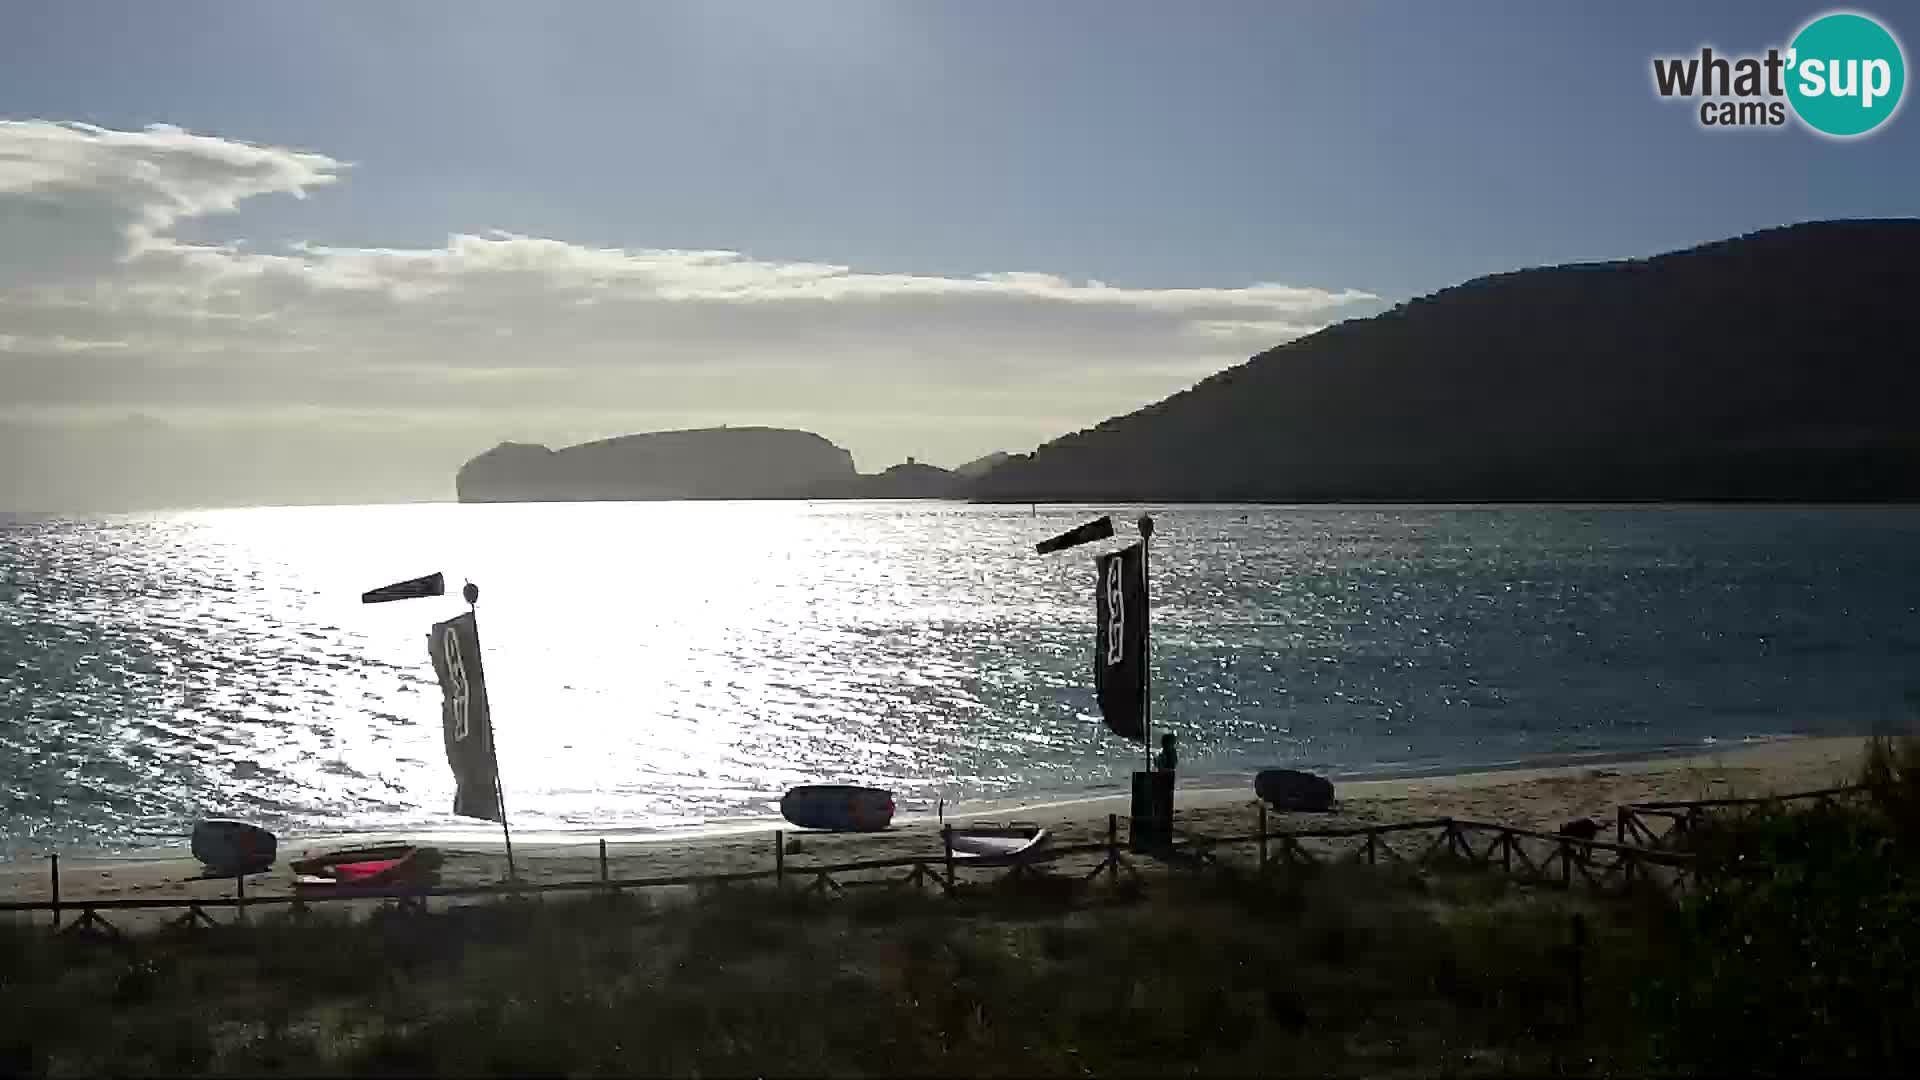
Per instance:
(103,306)
(75,192)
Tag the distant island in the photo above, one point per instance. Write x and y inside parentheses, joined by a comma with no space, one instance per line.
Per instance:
(1776,366)
(703,463)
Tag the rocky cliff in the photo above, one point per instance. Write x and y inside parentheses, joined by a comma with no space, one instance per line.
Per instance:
(705,463)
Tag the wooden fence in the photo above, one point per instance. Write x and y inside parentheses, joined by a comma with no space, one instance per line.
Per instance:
(1642,855)
(1530,856)
(1669,825)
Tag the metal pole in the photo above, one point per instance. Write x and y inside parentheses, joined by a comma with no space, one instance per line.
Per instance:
(500,794)
(53,863)
(779,857)
(1146,630)
(603,862)
(1163,830)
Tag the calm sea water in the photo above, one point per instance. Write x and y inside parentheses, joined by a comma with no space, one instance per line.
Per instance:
(654,665)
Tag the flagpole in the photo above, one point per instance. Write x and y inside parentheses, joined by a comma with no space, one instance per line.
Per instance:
(500,795)
(472,594)
(1146,659)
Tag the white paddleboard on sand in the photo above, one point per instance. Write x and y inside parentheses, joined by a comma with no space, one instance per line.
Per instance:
(999,846)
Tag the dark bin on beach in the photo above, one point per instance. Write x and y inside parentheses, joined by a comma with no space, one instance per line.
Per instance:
(1152,826)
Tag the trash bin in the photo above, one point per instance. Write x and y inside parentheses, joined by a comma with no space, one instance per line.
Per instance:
(1152,824)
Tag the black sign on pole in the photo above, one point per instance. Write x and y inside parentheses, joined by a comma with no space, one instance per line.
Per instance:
(1121,667)
(1120,641)
(465,720)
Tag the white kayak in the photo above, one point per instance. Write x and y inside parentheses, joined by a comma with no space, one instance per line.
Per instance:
(991,845)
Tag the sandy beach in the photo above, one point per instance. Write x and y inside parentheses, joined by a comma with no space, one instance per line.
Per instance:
(1540,798)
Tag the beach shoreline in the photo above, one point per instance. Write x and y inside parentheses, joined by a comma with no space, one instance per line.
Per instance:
(1056,805)
(1527,796)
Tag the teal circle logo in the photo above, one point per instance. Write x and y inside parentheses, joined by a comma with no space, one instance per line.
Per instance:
(1846,74)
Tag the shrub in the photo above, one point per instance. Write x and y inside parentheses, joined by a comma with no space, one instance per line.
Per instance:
(1800,956)
(1890,771)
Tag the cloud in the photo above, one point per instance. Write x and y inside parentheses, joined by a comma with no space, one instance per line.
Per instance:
(76,195)
(103,305)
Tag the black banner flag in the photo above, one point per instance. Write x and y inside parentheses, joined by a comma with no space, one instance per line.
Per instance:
(464,719)
(1120,644)
(431,585)
(1098,529)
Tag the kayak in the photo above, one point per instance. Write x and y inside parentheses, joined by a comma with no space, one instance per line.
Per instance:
(379,866)
(998,846)
(233,848)
(838,807)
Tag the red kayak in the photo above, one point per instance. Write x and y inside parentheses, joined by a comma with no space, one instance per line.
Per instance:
(380,866)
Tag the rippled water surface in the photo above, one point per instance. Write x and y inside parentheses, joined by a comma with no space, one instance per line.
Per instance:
(658,664)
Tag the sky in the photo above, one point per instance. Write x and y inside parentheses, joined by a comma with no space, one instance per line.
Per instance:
(327,252)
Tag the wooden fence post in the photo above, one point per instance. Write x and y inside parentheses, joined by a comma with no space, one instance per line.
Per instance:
(604,876)
(1373,843)
(1507,840)
(1263,837)
(946,839)
(1566,862)
(1620,815)
(779,857)
(53,862)
(1113,847)
(1578,973)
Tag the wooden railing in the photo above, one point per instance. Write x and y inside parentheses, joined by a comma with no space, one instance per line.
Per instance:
(1530,856)
(1642,855)
(1668,824)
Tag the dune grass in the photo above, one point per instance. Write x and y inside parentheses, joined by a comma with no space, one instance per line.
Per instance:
(1343,972)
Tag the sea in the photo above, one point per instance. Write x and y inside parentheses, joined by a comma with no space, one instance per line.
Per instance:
(655,667)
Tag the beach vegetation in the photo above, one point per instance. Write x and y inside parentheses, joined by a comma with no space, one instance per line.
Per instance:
(1801,955)
(1335,970)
